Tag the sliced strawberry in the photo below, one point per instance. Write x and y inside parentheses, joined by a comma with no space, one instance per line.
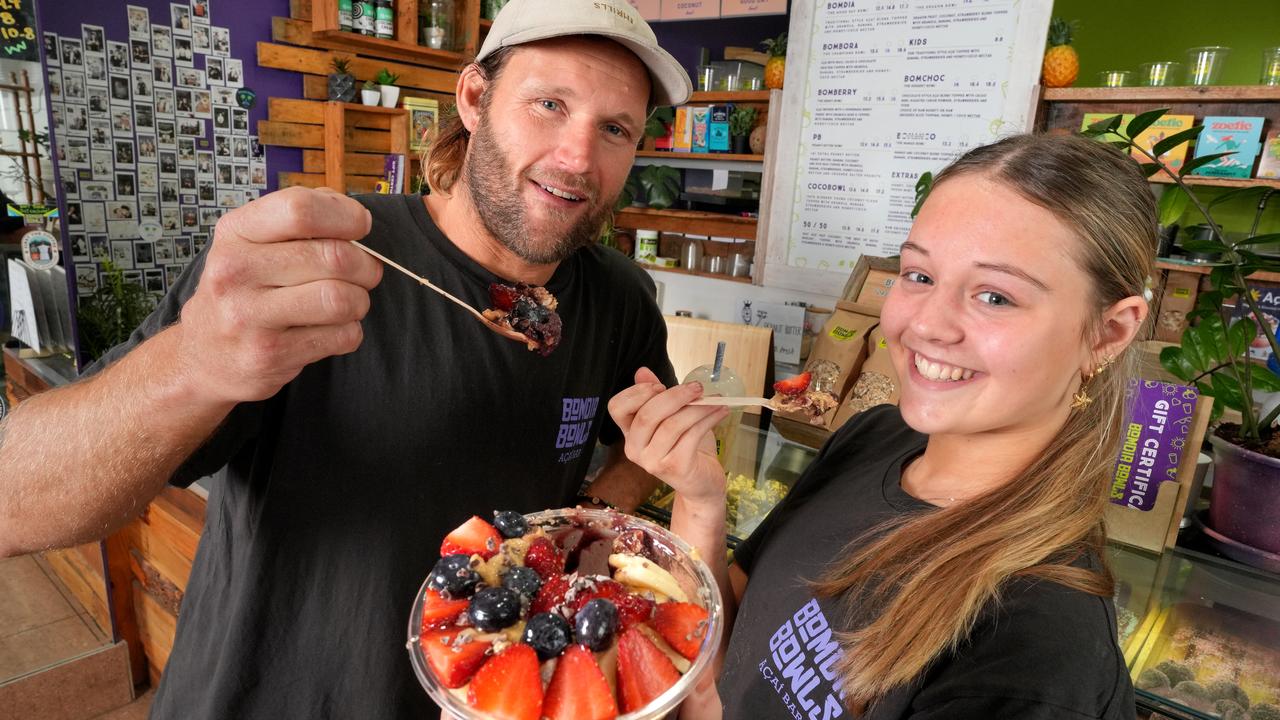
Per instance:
(682,625)
(454,666)
(438,612)
(509,686)
(473,537)
(793,385)
(644,672)
(632,609)
(544,557)
(578,689)
(550,594)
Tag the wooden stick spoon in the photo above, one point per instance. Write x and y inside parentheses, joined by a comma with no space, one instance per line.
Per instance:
(733,401)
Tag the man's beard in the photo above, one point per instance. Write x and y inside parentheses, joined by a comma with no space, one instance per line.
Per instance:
(501,207)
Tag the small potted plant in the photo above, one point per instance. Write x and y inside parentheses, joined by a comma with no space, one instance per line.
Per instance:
(342,84)
(741,122)
(390,93)
(369,94)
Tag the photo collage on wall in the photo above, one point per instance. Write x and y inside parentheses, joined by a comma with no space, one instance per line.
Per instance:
(152,145)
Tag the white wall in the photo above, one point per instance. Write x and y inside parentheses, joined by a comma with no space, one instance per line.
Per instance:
(12,186)
(720,300)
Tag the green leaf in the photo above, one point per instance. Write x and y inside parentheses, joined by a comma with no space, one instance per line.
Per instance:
(1175,140)
(1209,340)
(1245,192)
(1201,162)
(1103,126)
(1150,168)
(1175,361)
(1239,335)
(1173,203)
(1144,121)
(1122,145)
(1261,239)
(923,187)
(1264,380)
(1226,390)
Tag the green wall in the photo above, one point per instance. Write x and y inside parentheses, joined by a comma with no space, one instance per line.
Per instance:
(1123,35)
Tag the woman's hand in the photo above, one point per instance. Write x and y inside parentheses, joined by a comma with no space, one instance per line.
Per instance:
(671,439)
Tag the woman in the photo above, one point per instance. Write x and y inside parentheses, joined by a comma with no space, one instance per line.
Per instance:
(944,558)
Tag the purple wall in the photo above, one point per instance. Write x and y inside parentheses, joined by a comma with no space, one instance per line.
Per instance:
(683,39)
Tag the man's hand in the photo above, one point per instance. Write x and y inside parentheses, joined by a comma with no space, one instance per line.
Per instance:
(282,288)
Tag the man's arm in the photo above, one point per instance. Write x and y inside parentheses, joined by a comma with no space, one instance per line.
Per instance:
(622,483)
(79,461)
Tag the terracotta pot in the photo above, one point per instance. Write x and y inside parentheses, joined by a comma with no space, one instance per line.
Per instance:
(1244,504)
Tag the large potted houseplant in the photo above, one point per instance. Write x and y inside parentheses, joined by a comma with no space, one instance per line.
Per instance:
(110,314)
(1214,351)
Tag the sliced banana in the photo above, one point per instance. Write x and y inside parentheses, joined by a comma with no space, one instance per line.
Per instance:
(682,664)
(637,571)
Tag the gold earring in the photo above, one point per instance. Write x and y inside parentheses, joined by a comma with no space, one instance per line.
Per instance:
(1081,400)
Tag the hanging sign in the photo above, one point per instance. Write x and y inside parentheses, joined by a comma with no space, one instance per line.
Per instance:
(18,31)
(40,249)
(690,9)
(32,214)
(733,8)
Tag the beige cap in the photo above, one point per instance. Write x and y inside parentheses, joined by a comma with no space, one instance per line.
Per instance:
(522,21)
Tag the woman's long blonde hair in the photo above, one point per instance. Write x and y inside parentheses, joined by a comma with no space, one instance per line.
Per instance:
(927,577)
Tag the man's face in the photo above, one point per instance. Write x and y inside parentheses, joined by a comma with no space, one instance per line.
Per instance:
(554,142)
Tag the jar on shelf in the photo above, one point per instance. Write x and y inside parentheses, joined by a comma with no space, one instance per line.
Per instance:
(435,24)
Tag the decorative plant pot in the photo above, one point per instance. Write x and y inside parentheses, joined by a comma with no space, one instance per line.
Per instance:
(342,87)
(370,97)
(1245,500)
(741,144)
(1165,236)
(390,94)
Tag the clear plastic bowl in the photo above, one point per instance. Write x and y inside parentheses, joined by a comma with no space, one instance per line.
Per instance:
(671,552)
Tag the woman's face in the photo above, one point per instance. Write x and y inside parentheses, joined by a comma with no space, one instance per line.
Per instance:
(985,323)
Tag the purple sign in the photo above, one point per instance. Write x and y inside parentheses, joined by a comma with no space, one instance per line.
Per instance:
(1155,437)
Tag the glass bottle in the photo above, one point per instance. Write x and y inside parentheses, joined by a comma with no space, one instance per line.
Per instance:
(384,20)
(717,379)
(344,15)
(435,24)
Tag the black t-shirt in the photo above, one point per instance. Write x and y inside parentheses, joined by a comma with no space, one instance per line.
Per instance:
(1045,652)
(338,490)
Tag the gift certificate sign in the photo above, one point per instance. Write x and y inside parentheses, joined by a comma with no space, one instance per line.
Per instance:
(884,91)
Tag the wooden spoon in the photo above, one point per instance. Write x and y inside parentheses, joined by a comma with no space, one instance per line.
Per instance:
(733,401)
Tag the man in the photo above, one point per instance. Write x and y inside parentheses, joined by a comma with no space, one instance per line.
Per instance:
(360,417)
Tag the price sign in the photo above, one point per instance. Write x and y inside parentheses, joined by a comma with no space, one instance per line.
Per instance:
(18,30)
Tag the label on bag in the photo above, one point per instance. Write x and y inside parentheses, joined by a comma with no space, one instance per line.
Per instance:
(1155,439)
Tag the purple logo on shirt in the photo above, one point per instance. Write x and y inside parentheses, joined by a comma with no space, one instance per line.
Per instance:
(576,417)
(801,666)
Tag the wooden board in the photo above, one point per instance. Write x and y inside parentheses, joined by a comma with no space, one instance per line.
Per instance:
(356,163)
(80,570)
(312,136)
(156,627)
(1183,93)
(300,10)
(161,544)
(317,62)
(300,32)
(692,342)
(355,183)
(311,112)
(687,221)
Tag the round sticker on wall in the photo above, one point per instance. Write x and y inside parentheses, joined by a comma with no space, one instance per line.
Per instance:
(246,97)
(40,249)
(150,232)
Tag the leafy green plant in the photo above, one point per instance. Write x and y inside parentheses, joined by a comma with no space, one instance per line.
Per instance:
(341,65)
(386,77)
(370,85)
(742,120)
(113,311)
(1214,352)
(659,121)
(661,185)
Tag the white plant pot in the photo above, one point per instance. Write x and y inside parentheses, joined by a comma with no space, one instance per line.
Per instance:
(390,94)
(370,97)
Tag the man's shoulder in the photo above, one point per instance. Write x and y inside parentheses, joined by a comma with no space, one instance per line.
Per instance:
(612,267)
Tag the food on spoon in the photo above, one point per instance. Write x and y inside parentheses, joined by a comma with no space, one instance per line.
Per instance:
(529,310)
(807,393)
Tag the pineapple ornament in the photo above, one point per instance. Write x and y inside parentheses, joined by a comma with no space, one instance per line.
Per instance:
(342,85)
(776,69)
(1061,64)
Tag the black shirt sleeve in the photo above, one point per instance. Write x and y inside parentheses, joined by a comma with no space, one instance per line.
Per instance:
(649,335)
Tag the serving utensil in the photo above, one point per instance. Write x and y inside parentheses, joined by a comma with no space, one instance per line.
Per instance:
(733,401)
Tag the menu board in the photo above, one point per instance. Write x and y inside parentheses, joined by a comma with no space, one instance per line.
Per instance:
(649,9)
(690,9)
(877,93)
(18,30)
(733,8)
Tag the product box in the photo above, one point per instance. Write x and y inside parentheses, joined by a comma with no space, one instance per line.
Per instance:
(877,383)
(718,128)
(1241,136)
(1166,126)
(870,281)
(683,129)
(701,115)
(667,140)
(1267,297)
(1091,118)
(842,343)
(1178,299)
(1269,165)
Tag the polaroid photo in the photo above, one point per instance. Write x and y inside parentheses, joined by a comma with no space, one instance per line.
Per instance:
(230,198)
(242,176)
(256,148)
(102,164)
(203,104)
(55,84)
(170,220)
(190,217)
(223,95)
(122,254)
(126,188)
(147,147)
(190,127)
(186,150)
(122,120)
(144,253)
(182,247)
(209,216)
(95,41)
(200,39)
(95,217)
(168,192)
(117,210)
(148,207)
(100,134)
(162,72)
(164,102)
(204,164)
(199,242)
(120,91)
(99,101)
(166,134)
(180,15)
(185,103)
(168,164)
(117,56)
(234,68)
(200,11)
(190,78)
(258,175)
(99,248)
(240,148)
(213,70)
(77,153)
(133,276)
(153,280)
(69,182)
(125,154)
(86,278)
(72,53)
(77,120)
(188,198)
(79,246)
(164,251)
(162,40)
(73,87)
(142,82)
(173,273)
(95,70)
(240,121)
(122,230)
(139,21)
(183,55)
(51,54)
(220,38)
(186,178)
(225,173)
(222,146)
(222,119)
(96,191)
(58,112)
(141,51)
(206,191)
(148,179)
(75,217)
(144,116)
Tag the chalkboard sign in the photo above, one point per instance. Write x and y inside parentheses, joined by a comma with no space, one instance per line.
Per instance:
(18,30)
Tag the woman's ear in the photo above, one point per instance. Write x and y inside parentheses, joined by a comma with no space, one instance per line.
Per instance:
(471,87)
(1120,325)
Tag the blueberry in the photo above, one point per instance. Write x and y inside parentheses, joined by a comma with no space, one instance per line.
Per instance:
(510,523)
(548,634)
(453,577)
(493,609)
(595,623)
(525,581)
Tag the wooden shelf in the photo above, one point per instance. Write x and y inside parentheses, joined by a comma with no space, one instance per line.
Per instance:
(1222,182)
(694,222)
(393,49)
(697,156)
(696,273)
(744,96)
(1205,269)
(335,138)
(375,109)
(1219,93)
(485,25)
